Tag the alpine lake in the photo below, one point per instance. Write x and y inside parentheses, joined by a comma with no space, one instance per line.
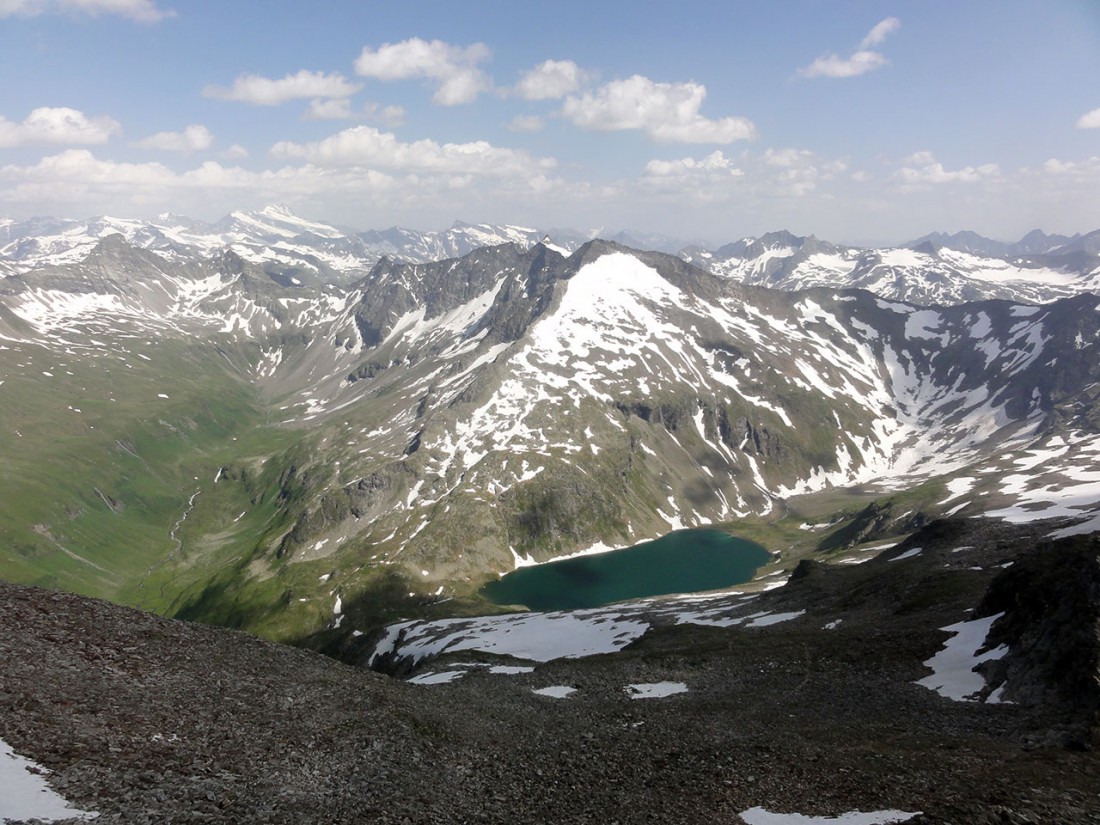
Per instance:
(686,561)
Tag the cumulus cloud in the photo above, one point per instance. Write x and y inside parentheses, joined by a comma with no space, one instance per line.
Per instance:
(796,173)
(666,112)
(861,61)
(76,181)
(1089,120)
(715,163)
(367,146)
(79,169)
(194,138)
(707,180)
(922,170)
(76,177)
(142,11)
(787,158)
(57,125)
(453,69)
(262,91)
(551,79)
(1088,168)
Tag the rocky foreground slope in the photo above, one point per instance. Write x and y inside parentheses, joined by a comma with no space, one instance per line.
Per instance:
(143,719)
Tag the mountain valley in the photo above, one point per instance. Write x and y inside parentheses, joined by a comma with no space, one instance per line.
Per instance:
(203,432)
(335,439)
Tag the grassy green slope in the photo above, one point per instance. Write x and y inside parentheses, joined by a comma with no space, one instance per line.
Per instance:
(103,453)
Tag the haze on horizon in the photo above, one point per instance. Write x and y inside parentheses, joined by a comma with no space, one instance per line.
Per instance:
(713,120)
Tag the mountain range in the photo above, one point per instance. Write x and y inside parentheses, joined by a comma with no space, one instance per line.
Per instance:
(269,423)
(936,268)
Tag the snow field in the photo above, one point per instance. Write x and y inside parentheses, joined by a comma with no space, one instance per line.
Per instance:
(543,637)
(762,816)
(25,794)
(953,673)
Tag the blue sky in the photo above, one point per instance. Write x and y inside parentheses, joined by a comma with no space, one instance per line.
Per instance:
(857,120)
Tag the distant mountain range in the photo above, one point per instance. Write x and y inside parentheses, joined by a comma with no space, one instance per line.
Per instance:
(935,269)
(1034,242)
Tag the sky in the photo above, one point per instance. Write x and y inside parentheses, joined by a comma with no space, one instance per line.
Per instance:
(859,121)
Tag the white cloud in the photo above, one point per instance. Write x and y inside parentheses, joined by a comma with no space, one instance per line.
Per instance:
(715,163)
(796,172)
(667,112)
(923,170)
(367,146)
(76,179)
(1089,120)
(339,108)
(57,125)
(194,138)
(453,69)
(861,61)
(526,123)
(426,192)
(879,32)
(235,152)
(787,158)
(263,91)
(778,181)
(143,11)
(832,65)
(551,79)
(1089,168)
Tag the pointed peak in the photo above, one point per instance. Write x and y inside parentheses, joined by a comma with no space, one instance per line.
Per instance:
(278,210)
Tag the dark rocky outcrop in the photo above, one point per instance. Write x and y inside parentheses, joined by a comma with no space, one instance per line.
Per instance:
(1050,601)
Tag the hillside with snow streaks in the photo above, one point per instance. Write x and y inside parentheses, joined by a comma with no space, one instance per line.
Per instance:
(649,397)
(445,419)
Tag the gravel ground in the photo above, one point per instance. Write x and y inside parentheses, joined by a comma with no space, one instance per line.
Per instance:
(148,720)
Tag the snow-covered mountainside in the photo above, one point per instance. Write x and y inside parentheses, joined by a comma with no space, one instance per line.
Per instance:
(194,434)
(935,270)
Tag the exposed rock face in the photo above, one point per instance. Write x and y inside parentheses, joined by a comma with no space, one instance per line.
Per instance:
(1050,599)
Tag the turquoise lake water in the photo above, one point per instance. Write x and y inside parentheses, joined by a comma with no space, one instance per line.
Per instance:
(687,561)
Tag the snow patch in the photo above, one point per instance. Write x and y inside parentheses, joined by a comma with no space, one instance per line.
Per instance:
(655,690)
(953,672)
(556,691)
(26,794)
(762,816)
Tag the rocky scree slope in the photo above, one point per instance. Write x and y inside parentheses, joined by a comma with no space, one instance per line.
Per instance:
(143,719)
